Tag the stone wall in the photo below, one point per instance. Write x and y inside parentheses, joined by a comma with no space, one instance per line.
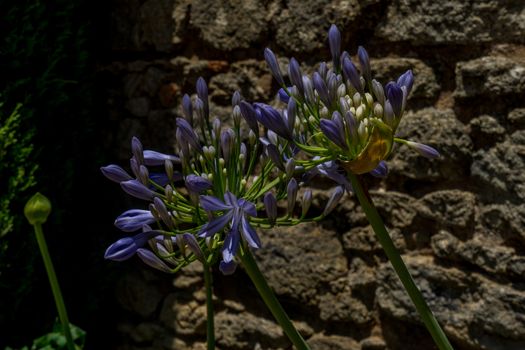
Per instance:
(459,220)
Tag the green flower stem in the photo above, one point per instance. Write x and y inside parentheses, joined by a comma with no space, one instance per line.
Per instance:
(61,307)
(210,330)
(270,300)
(399,266)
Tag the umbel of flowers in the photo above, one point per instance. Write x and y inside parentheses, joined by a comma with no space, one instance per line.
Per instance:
(341,112)
(205,201)
(212,194)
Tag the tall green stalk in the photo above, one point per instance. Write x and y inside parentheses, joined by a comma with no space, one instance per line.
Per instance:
(57,294)
(210,330)
(271,301)
(399,266)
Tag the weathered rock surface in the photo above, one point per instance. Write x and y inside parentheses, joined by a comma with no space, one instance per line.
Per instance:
(333,342)
(499,171)
(489,77)
(453,22)
(441,130)
(247,331)
(474,311)
(517,117)
(229,25)
(449,208)
(300,261)
(301,26)
(479,251)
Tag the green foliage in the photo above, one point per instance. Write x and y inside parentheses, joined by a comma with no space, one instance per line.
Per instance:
(56,339)
(17,173)
(44,121)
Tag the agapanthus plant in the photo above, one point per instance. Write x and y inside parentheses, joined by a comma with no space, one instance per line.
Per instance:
(205,201)
(342,115)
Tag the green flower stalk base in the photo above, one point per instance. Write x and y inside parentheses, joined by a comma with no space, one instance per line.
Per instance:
(210,330)
(61,307)
(399,266)
(270,300)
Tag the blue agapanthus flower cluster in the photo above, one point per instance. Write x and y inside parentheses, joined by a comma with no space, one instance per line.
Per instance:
(340,112)
(206,201)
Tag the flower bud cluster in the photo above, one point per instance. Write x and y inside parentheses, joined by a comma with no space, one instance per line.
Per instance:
(205,200)
(340,112)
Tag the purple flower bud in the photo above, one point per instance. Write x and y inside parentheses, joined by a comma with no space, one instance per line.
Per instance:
(184,148)
(115,173)
(137,150)
(144,175)
(308,89)
(227,141)
(306,202)
(188,134)
(334,199)
(168,192)
(135,167)
(200,112)
(334,131)
(351,125)
(271,60)
(150,259)
(162,179)
(133,220)
(296,77)
(202,92)
(126,247)
(344,55)
(364,62)
(275,156)
(272,138)
(236,98)
(136,189)
(163,212)
(283,96)
(323,70)
(406,79)
(197,184)
(187,109)
(388,114)
(333,86)
(351,74)
(248,112)
(168,168)
(395,96)
(273,120)
(227,268)
(381,170)
(192,243)
(216,128)
(236,116)
(322,89)
(334,40)
(424,150)
(153,158)
(378,91)
(291,193)
(291,113)
(290,167)
(270,204)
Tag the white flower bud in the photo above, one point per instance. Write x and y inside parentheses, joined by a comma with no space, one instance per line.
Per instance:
(369,99)
(357,99)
